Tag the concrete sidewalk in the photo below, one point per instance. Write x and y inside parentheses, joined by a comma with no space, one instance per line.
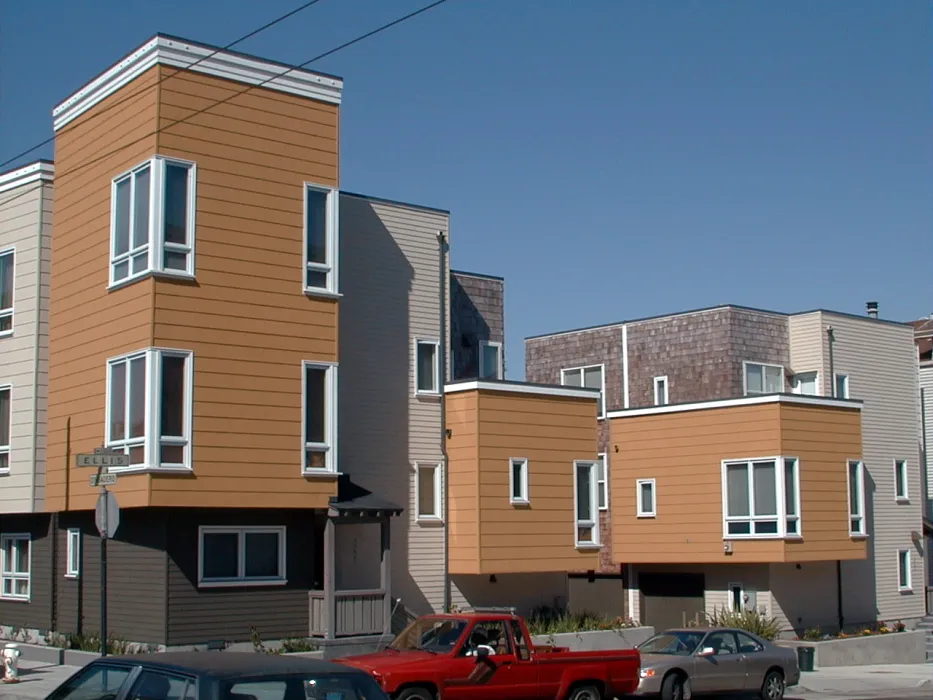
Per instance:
(37,680)
(853,682)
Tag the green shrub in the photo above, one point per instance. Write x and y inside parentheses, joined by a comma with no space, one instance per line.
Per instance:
(547,621)
(748,620)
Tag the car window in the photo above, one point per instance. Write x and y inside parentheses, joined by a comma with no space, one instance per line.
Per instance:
(333,686)
(722,643)
(747,644)
(154,685)
(95,682)
(493,634)
(521,645)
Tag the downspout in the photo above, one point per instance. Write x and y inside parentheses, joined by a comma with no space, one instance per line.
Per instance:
(445,309)
(831,336)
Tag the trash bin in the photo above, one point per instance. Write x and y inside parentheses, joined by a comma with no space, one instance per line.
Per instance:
(805,657)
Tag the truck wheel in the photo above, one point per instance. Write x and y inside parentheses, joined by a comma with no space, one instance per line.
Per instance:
(585,692)
(773,687)
(415,693)
(674,687)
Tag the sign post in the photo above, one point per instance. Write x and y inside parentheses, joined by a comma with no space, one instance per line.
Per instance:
(106,516)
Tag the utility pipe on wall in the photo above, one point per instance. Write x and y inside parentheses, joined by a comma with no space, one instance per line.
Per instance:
(444,344)
(831,336)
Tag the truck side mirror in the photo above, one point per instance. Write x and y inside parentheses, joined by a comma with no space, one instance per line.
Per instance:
(482,652)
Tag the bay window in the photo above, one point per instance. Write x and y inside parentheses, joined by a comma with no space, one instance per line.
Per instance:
(149,407)
(761,498)
(585,504)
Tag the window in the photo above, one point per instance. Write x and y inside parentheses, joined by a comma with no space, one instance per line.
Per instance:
(97,682)
(152,220)
(6,292)
(842,386)
(645,490)
(427,367)
(748,644)
(14,567)
(900,480)
(73,553)
(152,684)
(806,383)
(490,360)
(737,597)
(319,428)
(521,644)
(518,481)
(763,379)
(428,491)
(320,233)
(585,504)
(755,496)
(6,427)
(237,556)
(791,497)
(592,377)
(722,643)
(156,435)
(321,684)
(660,391)
(904,582)
(857,498)
(602,481)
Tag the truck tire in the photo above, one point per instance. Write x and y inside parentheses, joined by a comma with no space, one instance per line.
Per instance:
(673,687)
(587,691)
(415,692)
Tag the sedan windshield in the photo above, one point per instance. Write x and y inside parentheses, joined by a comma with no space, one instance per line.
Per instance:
(435,634)
(324,686)
(674,643)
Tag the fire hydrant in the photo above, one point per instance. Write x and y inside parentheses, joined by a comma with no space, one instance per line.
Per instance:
(11,654)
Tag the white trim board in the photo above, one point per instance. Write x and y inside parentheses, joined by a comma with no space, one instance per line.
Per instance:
(39,170)
(521,388)
(795,399)
(183,54)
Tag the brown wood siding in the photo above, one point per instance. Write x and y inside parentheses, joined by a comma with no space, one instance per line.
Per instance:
(489,535)
(88,324)
(246,319)
(683,452)
(36,613)
(823,439)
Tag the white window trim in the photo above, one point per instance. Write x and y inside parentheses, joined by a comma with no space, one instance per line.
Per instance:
(603,486)
(436,517)
(330,419)
(152,439)
(157,245)
(241,579)
(438,383)
(332,266)
(863,528)
(660,382)
(4,574)
(797,500)
(9,312)
(729,588)
(746,363)
(482,365)
(8,449)
(910,579)
(524,499)
(73,551)
(581,369)
(781,516)
(901,472)
(594,499)
(794,389)
(845,384)
(641,511)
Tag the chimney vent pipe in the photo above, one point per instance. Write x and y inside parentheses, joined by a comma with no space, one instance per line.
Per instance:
(872,308)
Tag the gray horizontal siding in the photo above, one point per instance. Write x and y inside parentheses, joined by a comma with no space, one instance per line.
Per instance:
(37,612)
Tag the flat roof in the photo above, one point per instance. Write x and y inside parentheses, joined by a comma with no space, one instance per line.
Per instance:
(478,275)
(38,170)
(396,202)
(521,388)
(793,399)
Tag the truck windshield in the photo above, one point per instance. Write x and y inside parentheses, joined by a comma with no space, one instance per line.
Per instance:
(675,643)
(433,634)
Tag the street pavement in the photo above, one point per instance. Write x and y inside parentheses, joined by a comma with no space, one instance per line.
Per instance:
(889,682)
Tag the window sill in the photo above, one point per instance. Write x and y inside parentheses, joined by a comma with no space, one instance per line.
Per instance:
(6,334)
(647,515)
(4,472)
(165,274)
(72,577)
(793,537)
(428,395)
(320,474)
(587,546)
(858,536)
(242,584)
(429,520)
(909,589)
(902,501)
(727,536)
(522,502)
(322,293)
(15,599)
(150,470)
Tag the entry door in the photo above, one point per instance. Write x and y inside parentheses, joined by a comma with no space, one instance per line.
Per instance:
(671,600)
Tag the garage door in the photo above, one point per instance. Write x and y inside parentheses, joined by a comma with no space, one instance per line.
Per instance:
(601,594)
(671,600)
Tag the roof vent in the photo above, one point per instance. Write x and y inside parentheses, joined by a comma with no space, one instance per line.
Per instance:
(872,308)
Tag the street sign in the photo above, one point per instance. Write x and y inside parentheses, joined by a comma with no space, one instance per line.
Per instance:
(107,514)
(104,457)
(104,479)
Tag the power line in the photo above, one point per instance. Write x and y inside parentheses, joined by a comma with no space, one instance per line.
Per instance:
(243,38)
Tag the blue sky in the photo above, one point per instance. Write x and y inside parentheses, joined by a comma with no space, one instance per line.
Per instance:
(611,159)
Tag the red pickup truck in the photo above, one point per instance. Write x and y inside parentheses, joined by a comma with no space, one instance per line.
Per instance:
(482,656)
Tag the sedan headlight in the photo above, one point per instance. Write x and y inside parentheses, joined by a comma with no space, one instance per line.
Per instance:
(646,673)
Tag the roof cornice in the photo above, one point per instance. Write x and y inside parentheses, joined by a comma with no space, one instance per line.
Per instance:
(39,171)
(183,54)
(522,388)
(758,400)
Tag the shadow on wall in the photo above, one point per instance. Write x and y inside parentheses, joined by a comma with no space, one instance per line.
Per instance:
(467,329)
(374,392)
(522,591)
(859,580)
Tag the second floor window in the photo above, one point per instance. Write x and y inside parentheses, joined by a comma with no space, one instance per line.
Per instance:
(585,504)
(320,417)
(592,377)
(857,524)
(805,383)
(6,427)
(842,386)
(763,379)
(660,391)
(154,433)
(427,367)
(490,360)
(761,498)
(900,480)
(7,260)
(153,220)
(320,234)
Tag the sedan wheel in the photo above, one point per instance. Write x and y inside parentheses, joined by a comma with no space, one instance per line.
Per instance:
(773,687)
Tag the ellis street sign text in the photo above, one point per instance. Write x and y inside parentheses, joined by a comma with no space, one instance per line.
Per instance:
(103,457)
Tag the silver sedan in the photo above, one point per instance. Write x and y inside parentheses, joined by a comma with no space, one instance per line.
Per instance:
(678,664)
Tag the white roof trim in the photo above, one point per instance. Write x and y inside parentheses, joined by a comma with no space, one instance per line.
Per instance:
(744,401)
(180,54)
(23,176)
(521,388)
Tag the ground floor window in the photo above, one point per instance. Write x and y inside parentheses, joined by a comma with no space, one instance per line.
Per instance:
(15,566)
(237,556)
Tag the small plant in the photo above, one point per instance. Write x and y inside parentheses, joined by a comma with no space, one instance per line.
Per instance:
(899,626)
(294,646)
(749,620)
(812,634)
(54,639)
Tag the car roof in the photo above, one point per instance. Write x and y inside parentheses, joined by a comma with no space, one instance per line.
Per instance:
(472,616)
(705,630)
(229,664)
